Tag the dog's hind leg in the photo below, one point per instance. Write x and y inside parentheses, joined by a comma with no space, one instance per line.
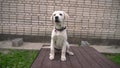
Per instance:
(68,49)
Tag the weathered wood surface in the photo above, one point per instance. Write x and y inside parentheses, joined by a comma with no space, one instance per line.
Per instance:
(85,57)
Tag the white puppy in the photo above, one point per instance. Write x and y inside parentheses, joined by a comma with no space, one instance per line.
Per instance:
(59,35)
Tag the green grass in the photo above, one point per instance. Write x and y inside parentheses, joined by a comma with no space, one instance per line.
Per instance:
(17,59)
(114,57)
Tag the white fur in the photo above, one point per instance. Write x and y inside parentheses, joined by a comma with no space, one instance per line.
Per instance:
(59,38)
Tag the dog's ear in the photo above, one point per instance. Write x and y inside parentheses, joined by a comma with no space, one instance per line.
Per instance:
(66,15)
(51,18)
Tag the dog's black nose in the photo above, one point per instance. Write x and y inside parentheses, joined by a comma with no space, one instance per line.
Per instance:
(56,17)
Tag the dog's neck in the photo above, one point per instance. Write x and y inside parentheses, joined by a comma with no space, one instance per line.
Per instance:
(61,29)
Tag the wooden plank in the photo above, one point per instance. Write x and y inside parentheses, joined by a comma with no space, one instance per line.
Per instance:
(85,57)
(46,62)
(67,63)
(83,62)
(88,58)
(74,61)
(56,63)
(39,59)
(107,61)
(96,58)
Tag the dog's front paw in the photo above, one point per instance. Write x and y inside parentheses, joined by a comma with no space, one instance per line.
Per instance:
(63,58)
(51,57)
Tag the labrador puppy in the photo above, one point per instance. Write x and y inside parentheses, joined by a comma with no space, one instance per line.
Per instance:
(59,35)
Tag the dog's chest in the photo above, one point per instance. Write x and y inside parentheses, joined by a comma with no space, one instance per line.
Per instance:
(60,34)
(58,41)
(59,38)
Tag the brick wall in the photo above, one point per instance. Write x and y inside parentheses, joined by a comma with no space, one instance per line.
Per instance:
(88,18)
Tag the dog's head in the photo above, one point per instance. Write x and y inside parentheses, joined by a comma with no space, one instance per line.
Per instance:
(59,17)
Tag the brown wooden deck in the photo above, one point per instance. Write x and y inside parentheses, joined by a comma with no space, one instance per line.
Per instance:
(85,57)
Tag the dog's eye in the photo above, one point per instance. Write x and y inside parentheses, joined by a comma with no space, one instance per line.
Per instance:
(60,14)
(54,14)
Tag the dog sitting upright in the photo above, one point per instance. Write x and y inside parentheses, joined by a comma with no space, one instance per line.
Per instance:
(59,35)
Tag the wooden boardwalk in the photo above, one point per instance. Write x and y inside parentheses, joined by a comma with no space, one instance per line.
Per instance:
(85,57)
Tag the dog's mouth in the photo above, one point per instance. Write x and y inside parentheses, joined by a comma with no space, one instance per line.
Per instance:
(57,21)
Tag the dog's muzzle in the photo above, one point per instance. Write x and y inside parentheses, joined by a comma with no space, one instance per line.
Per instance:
(57,19)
